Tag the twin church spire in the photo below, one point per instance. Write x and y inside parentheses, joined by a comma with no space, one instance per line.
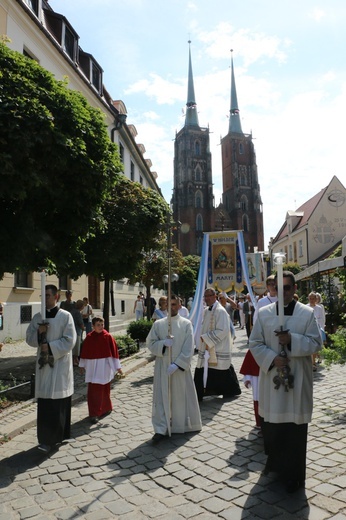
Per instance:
(191,118)
(193,201)
(234,118)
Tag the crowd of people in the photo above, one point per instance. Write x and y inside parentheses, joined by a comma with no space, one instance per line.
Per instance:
(277,366)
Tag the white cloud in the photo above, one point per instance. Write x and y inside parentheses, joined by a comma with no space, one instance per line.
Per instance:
(158,88)
(317,14)
(248,44)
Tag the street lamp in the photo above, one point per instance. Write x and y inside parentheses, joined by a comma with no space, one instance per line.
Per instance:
(165,278)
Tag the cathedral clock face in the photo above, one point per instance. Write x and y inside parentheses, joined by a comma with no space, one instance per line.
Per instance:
(185,228)
(336,198)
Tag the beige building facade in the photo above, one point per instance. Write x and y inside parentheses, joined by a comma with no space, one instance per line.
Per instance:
(315,228)
(32,28)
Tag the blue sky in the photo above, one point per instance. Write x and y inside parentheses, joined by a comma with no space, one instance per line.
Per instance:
(290,74)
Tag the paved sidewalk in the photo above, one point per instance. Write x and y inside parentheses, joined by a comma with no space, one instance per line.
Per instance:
(111,470)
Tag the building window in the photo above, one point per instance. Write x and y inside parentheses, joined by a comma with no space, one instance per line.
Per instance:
(199,246)
(198,174)
(25,313)
(198,200)
(96,77)
(29,54)
(245,220)
(121,152)
(122,304)
(141,179)
(199,223)
(22,279)
(197,148)
(132,172)
(242,176)
(63,283)
(69,43)
(241,148)
(300,247)
(290,252)
(244,203)
(34,5)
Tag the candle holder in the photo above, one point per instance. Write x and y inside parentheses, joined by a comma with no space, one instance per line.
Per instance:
(283,377)
(279,259)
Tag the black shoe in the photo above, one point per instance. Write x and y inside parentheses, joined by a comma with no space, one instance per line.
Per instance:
(158,437)
(94,420)
(294,485)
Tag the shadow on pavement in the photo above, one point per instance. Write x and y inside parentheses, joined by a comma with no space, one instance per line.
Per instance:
(270,496)
(267,496)
(22,462)
(146,457)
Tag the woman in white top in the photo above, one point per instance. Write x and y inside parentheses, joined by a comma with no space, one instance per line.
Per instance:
(321,321)
(138,308)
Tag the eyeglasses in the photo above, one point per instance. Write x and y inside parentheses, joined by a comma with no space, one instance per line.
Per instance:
(285,287)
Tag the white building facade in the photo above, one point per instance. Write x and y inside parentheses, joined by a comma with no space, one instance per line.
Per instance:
(34,29)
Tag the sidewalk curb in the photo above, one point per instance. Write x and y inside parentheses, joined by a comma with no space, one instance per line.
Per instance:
(16,426)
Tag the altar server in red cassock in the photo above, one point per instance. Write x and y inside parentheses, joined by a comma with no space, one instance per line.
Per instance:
(99,360)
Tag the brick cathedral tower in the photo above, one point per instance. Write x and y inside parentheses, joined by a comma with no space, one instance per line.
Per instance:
(192,200)
(241,192)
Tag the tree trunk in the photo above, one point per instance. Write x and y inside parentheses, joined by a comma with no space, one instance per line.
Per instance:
(112,298)
(149,311)
(106,303)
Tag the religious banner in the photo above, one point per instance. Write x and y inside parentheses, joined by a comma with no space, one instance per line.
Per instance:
(223,261)
(256,272)
(223,267)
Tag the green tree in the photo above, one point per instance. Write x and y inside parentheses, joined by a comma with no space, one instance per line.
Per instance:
(188,275)
(154,265)
(57,166)
(133,218)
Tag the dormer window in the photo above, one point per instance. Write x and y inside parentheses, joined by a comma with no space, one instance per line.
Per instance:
(63,32)
(69,43)
(34,5)
(96,77)
(91,69)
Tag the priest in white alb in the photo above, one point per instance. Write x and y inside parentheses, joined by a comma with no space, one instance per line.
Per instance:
(175,405)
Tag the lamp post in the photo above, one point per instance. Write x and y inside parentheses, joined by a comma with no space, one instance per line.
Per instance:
(174,278)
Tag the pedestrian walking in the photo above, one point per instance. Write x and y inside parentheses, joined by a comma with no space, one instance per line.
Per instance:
(175,405)
(99,362)
(286,382)
(54,342)
(214,373)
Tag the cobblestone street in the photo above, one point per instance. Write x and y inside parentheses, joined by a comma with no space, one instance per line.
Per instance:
(111,470)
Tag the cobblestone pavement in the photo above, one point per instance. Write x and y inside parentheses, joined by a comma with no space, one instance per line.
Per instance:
(111,470)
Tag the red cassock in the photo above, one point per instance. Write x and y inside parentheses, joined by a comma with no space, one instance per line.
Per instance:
(98,345)
(249,366)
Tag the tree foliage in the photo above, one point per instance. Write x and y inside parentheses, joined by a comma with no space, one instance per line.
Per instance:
(57,166)
(133,217)
(188,275)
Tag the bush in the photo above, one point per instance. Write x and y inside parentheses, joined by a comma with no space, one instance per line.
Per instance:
(336,352)
(139,329)
(126,346)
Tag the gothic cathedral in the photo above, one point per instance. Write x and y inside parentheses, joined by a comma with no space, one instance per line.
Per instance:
(193,200)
